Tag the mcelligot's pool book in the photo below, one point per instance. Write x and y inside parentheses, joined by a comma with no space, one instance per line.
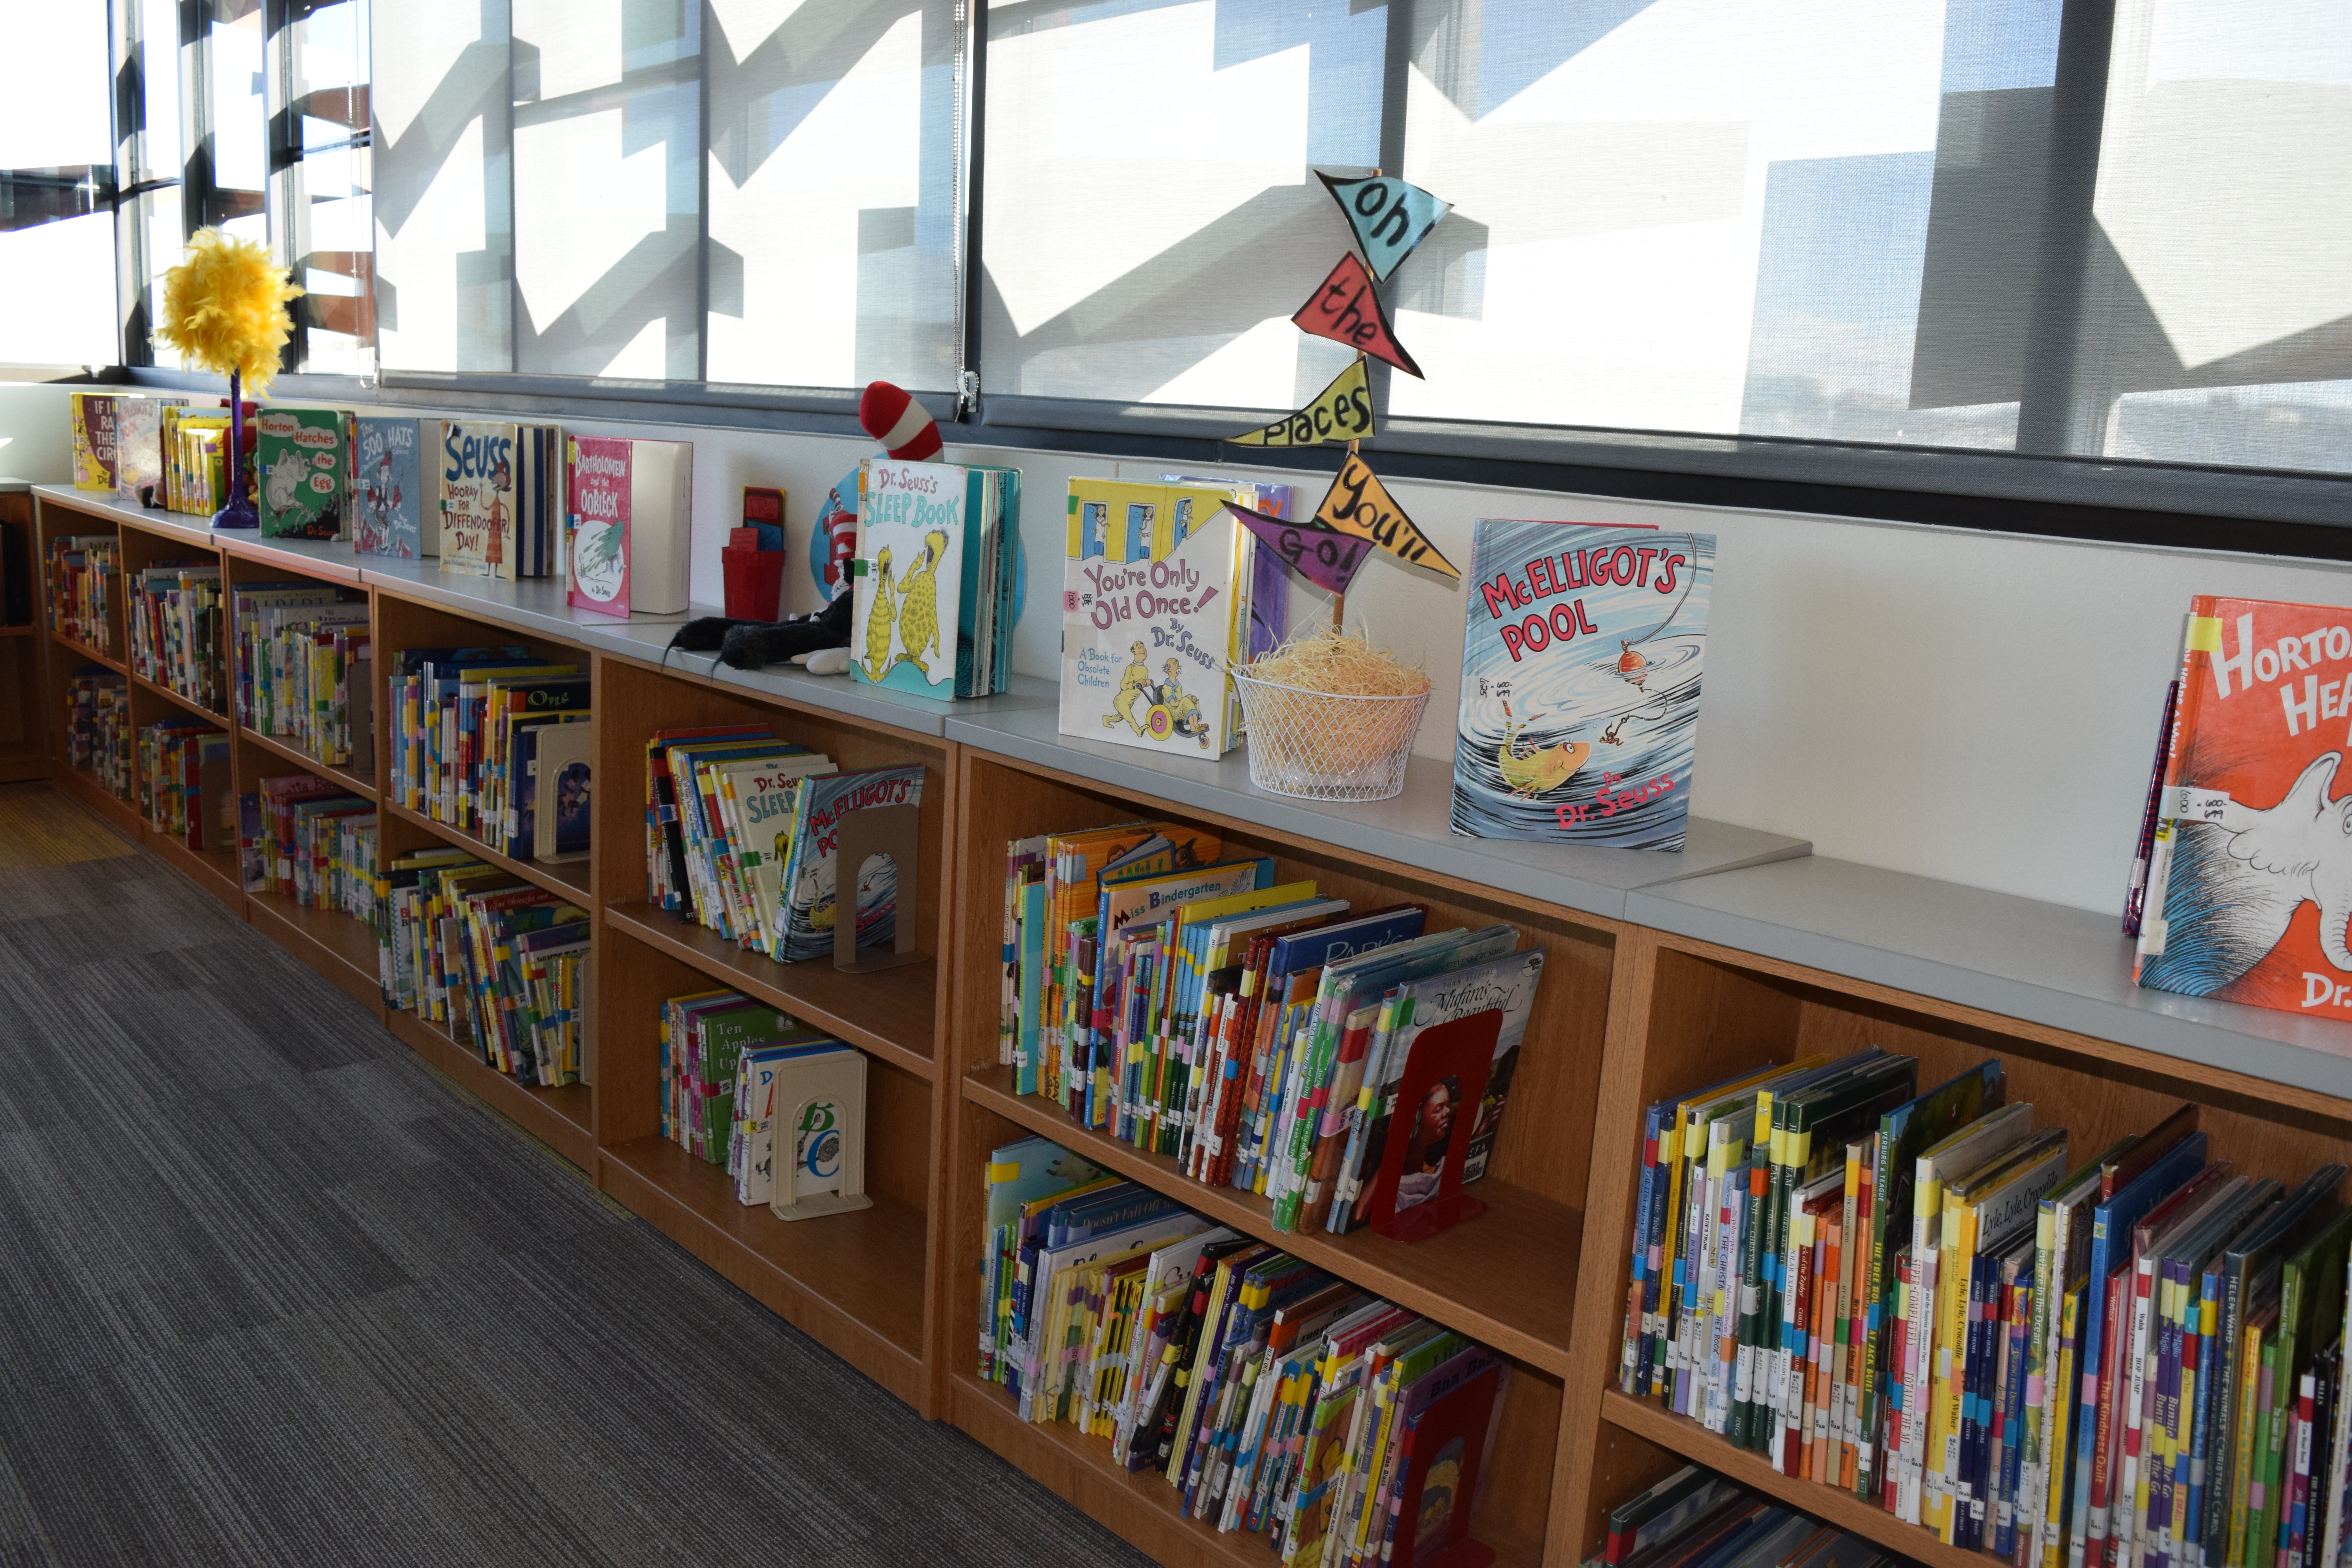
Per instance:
(1580,665)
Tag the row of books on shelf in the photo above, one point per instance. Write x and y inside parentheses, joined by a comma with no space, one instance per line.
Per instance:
(303,668)
(490,498)
(175,613)
(743,836)
(477,732)
(2128,1357)
(1273,1398)
(500,963)
(1264,1036)
(98,728)
(1697,1518)
(736,1074)
(183,782)
(82,568)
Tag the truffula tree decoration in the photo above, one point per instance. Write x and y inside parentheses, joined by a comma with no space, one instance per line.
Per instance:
(1386,218)
(225,311)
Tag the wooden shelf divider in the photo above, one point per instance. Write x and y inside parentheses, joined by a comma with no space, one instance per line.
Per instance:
(88,654)
(333,773)
(890,1014)
(566,878)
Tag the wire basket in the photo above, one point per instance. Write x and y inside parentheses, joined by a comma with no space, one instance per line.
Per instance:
(1318,745)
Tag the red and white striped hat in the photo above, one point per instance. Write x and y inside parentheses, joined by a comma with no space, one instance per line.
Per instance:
(899,422)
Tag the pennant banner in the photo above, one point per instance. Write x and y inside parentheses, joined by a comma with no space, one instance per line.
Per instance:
(1341,412)
(1324,556)
(1359,504)
(1389,217)
(1344,309)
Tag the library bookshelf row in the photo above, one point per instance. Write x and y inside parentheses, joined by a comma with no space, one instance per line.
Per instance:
(1662,973)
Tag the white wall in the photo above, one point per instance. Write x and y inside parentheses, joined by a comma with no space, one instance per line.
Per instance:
(1980,707)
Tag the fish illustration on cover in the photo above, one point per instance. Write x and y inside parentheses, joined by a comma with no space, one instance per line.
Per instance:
(1580,665)
(2250,888)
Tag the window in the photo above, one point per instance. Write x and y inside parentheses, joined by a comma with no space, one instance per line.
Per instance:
(745,193)
(57,189)
(1916,222)
(251,118)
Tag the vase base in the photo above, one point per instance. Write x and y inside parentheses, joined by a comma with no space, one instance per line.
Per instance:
(236,516)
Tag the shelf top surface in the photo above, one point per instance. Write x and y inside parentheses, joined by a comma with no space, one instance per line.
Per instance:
(2045,963)
(537,606)
(1411,829)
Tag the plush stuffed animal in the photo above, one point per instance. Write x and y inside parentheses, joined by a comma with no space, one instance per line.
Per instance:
(820,642)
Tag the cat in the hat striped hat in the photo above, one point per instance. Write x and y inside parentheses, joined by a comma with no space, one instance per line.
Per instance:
(819,642)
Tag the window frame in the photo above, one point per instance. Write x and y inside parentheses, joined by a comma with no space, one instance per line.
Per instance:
(2036,492)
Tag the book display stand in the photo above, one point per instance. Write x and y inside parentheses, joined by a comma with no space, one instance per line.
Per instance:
(1663,972)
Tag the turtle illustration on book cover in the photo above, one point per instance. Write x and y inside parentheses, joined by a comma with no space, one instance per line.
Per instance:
(1581,666)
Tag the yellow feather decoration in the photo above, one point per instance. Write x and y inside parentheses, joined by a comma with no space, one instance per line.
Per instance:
(225,309)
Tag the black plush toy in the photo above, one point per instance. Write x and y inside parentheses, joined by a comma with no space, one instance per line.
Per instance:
(818,642)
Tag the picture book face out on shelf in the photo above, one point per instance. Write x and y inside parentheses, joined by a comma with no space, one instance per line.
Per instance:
(1581,666)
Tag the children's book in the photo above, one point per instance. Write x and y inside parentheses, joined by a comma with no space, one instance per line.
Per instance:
(93,415)
(389,511)
(938,546)
(1155,612)
(628,506)
(139,447)
(1581,666)
(816,839)
(299,453)
(2250,886)
(477,497)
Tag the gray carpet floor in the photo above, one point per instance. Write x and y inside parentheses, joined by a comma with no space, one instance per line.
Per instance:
(271,1291)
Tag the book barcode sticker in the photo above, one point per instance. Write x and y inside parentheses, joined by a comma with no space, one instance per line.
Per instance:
(2204,633)
(2193,804)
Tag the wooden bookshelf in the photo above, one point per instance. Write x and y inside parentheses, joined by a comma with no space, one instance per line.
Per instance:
(1662,973)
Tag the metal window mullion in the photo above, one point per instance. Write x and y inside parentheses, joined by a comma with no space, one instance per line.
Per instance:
(2059,410)
(971,126)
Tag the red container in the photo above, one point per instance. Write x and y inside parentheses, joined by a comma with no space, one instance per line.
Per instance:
(755,582)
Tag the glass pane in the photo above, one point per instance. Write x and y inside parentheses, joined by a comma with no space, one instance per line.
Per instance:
(163,234)
(239,124)
(1151,246)
(320,199)
(443,225)
(2224,212)
(1732,218)
(57,162)
(833,193)
(607,124)
(150,49)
